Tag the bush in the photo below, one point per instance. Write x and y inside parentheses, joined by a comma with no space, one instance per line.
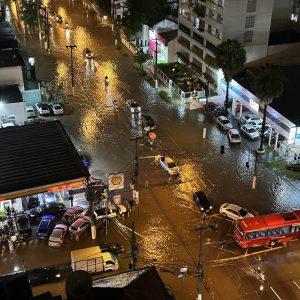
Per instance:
(150,80)
(136,66)
(164,95)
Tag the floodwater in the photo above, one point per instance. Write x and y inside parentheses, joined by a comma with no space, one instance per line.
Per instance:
(167,218)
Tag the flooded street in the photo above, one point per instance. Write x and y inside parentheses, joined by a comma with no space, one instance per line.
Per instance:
(166,218)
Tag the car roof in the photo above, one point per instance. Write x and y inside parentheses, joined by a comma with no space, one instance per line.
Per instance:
(29,107)
(233,207)
(222,118)
(248,126)
(48,217)
(168,159)
(79,221)
(61,226)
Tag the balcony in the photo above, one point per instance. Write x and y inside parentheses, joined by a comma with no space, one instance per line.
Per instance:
(183,57)
(196,50)
(184,42)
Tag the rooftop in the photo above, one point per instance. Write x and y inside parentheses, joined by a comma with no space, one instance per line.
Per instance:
(37,156)
(10,94)
(10,58)
(7,38)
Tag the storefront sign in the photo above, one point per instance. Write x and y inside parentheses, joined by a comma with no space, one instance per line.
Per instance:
(116,181)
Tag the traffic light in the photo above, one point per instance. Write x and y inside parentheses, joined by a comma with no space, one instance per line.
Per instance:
(222,149)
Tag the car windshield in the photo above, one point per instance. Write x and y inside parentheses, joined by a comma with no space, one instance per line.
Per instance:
(73,228)
(57,107)
(171,165)
(22,220)
(243,212)
(251,130)
(235,136)
(133,104)
(43,230)
(226,121)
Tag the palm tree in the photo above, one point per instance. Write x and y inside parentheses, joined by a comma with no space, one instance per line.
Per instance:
(231,58)
(268,84)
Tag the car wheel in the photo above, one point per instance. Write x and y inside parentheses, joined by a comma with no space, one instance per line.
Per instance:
(272,243)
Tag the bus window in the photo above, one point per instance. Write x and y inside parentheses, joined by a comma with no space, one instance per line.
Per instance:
(274,231)
(261,233)
(250,235)
(295,228)
(285,229)
(240,229)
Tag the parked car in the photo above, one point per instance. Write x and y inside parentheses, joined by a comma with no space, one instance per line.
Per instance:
(224,123)
(202,201)
(58,235)
(294,166)
(250,131)
(234,212)
(249,118)
(32,201)
(87,53)
(168,164)
(56,109)
(133,106)
(73,213)
(234,136)
(23,224)
(42,108)
(80,225)
(53,208)
(114,248)
(46,226)
(30,112)
(148,123)
(109,212)
(43,275)
(49,197)
(217,111)
(5,124)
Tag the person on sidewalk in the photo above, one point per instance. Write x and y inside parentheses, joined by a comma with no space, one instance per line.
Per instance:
(295,158)
(298,158)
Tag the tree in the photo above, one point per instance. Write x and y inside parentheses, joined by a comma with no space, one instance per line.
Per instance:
(268,84)
(28,11)
(230,57)
(141,57)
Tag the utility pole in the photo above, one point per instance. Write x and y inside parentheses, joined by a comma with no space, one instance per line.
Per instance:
(134,250)
(136,159)
(90,197)
(39,20)
(72,70)
(156,82)
(255,172)
(200,276)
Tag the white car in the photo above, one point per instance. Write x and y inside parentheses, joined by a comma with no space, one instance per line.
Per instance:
(249,118)
(42,108)
(49,197)
(234,212)
(224,123)
(133,106)
(234,136)
(58,235)
(8,124)
(168,164)
(80,225)
(56,109)
(257,124)
(30,112)
(110,212)
(250,131)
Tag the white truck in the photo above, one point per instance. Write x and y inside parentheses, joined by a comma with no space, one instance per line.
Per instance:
(92,260)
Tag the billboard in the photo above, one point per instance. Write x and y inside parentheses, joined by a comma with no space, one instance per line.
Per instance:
(116,181)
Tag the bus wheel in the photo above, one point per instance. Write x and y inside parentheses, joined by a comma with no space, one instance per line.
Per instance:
(272,243)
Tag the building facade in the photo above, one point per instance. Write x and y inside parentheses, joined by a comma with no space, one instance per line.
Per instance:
(204,24)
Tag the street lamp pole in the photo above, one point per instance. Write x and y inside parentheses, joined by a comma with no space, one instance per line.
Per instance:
(156,44)
(39,20)
(72,70)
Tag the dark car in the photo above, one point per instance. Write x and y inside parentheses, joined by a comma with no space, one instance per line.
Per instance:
(73,213)
(32,201)
(114,248)
(23,224)
(202,201)
(46,226)
(43,275)
(148,123)
(294,167)
(53,208)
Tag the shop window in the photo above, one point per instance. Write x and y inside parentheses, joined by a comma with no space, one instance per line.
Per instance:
(250,20)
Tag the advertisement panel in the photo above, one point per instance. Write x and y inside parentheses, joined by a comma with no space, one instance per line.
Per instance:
(116,181)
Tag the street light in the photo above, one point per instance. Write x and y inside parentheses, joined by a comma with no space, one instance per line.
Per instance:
(72,71)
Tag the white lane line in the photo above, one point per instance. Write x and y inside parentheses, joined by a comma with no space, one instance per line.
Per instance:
(296,284)
(275,293)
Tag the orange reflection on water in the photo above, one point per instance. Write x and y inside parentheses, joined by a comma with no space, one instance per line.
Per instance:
(89,126)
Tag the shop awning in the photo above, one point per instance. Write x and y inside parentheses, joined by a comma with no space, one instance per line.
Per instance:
(38,158)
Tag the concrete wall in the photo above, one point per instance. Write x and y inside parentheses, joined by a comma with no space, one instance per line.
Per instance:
(16,109)
(279,48)
(172,49)
(12,75)
(281,15)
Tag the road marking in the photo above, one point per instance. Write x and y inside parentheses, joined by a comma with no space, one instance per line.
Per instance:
(275,293)
(296,284)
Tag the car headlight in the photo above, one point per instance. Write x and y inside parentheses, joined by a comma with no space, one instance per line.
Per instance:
(210,207)
(202,208)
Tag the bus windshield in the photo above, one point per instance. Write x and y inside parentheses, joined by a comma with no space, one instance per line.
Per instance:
(240,229)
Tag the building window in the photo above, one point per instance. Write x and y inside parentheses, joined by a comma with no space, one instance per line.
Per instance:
(251,6)
(250,20)
(209,28)
(248,36)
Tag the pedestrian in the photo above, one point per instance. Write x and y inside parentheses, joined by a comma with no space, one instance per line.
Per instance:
(298,158)
(295,157)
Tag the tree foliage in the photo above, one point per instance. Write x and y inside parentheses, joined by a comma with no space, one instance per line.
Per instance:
(231,58)
(140,57)
(144,12)
(28,12)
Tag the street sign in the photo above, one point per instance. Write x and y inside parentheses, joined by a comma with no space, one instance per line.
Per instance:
(116,181)
(152,135)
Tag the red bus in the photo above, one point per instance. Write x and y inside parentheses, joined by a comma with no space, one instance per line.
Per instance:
(267,230)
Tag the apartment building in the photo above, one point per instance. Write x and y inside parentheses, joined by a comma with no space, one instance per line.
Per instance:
(204,24)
